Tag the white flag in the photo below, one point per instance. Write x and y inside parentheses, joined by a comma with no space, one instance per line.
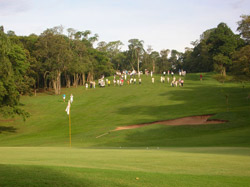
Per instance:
(68,108)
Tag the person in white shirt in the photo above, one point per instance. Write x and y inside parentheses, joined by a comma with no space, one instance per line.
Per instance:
(71,98)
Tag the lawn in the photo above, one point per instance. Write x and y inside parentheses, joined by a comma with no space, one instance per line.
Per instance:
(98,111)
(124,167)
(36,152)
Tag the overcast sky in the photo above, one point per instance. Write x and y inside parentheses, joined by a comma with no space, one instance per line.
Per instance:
(163,24)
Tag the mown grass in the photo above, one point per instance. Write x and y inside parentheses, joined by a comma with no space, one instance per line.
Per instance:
(124,167)
(36,153)
(98,111)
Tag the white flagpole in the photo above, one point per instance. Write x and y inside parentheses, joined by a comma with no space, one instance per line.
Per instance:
(68,112)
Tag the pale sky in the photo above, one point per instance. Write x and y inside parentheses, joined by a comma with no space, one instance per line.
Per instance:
(163,24)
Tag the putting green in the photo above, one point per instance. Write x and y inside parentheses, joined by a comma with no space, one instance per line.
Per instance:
(121,167)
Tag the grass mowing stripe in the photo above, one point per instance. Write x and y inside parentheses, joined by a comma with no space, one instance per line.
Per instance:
(13,175)
(197,161)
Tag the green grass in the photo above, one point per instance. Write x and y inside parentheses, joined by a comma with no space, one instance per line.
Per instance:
(121,167)
(98,111)
(36,153)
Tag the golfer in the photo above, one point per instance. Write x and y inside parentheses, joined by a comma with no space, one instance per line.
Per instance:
(71,98)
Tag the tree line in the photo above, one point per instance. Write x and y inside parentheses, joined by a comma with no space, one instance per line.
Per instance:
(54,59)
(220,50)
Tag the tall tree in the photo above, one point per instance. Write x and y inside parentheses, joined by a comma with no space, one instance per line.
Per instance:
(222,44)
(9,95)
(241,63)
(136,49)
(164,62)
(175,59)
(154,57)
(54,53)
(244,28)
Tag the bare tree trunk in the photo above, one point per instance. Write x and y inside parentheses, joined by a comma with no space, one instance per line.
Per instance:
(76,80)
(45,80)
(54,86)
(224,72)
(90,77)
(50,84)
(80,80)
(67,79)
(138,65)
(57,83)
(37,83)
(83,78)
(153,66)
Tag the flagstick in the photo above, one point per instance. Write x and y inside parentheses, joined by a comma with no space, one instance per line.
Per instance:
(69,130)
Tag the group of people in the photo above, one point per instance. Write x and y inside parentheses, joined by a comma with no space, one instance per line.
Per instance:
(175,82)
(121,78)
(71,98)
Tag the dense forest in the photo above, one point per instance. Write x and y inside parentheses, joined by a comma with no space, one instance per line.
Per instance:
(54,59)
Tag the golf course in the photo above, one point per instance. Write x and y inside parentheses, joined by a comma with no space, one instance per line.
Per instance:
(104,151)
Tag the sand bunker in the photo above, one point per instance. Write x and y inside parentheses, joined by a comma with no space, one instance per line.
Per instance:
(192,120)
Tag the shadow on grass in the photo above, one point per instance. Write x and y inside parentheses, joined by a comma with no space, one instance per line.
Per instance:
(7,129)
(242,151)
(188,102)
(21,175)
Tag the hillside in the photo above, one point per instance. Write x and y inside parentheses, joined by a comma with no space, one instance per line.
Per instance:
(98,111)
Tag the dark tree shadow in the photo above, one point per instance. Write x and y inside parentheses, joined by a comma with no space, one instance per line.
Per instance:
(7,129)
(207,99)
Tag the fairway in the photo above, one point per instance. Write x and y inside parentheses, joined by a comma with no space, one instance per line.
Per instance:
(99,111)
(121,167)
(124,93)
(153,155)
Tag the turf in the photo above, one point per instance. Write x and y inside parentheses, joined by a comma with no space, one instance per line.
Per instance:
(97,111)
(36,153)
(120,167)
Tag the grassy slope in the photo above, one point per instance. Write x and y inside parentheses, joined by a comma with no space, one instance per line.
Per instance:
(97,111)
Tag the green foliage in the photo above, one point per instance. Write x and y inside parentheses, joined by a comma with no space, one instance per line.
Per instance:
(213,51)
(54,60)
(12,70)
(100,63)
(222,78)
(241,63)
(113,51)
(223,41)
(222,44)
(164,63)
(199,59)
(136,51)
(244,28)
(220,61)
